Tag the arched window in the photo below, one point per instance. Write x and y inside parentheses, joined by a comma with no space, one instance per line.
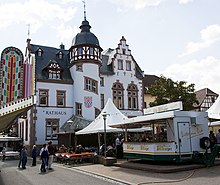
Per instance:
(118,95)
(132,96)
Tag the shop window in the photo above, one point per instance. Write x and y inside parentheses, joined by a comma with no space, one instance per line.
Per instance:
(52,128)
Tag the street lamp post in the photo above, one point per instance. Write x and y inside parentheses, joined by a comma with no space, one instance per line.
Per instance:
(69,123)
(104,118)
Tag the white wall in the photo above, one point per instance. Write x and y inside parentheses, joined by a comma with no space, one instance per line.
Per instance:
(125,77)
(52,111)
(91,71)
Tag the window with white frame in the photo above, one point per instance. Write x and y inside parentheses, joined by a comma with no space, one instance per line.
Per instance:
(132,96)
(91,51)
(128,65)
(78,111)
(118,95)
(61,98)
(91,85)
(80,51)
(43,97)
(120,64)
(54,71)
(52,128)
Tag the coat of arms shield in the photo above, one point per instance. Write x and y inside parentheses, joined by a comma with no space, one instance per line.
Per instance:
(88,101)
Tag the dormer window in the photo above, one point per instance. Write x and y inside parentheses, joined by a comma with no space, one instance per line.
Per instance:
(60,55)
(54,71)
(39,52)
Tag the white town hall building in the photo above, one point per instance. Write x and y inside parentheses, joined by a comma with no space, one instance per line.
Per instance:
(75,85)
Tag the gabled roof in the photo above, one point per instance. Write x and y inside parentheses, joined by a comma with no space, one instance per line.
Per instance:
(107,64)
(50,54)
(49,62)
(202,93)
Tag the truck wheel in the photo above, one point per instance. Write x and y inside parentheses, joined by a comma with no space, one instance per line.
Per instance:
(205,143)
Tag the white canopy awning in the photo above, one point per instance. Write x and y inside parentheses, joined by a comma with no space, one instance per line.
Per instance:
(113,116)
(214,110)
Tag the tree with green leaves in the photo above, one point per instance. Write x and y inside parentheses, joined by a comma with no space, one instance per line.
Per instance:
(165,90)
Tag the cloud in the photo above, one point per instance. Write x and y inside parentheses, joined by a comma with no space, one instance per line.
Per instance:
(70,1)
(209,36)
(38,13)
(185,1)
(203,73)
(134,4)
(66,32)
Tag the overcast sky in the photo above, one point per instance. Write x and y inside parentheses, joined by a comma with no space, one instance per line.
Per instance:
(179,39)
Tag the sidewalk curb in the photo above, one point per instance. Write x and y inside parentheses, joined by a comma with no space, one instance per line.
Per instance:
(77,169)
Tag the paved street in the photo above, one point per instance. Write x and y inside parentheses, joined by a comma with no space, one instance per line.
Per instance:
(99,174)
(12,175)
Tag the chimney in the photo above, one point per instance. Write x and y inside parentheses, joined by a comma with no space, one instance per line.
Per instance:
(62,46)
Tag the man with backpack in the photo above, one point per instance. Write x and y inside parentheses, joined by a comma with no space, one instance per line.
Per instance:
(44,158)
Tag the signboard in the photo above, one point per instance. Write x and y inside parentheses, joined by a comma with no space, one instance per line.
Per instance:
(148,148)
(164,108)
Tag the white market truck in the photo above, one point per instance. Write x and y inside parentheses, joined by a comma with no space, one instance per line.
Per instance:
(175,136)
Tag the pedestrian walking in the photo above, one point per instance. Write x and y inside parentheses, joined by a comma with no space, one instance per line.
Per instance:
(34,155)
(51,152)
(4,152)
(19,150)
(44,157)
(24,157)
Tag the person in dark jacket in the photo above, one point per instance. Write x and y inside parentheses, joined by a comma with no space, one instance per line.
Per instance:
(24,157)
(34,155)
(19,150)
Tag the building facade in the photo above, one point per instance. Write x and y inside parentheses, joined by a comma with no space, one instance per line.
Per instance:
(206,98)
(72,86)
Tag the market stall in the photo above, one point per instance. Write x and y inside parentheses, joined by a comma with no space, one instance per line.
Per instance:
(176,135)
